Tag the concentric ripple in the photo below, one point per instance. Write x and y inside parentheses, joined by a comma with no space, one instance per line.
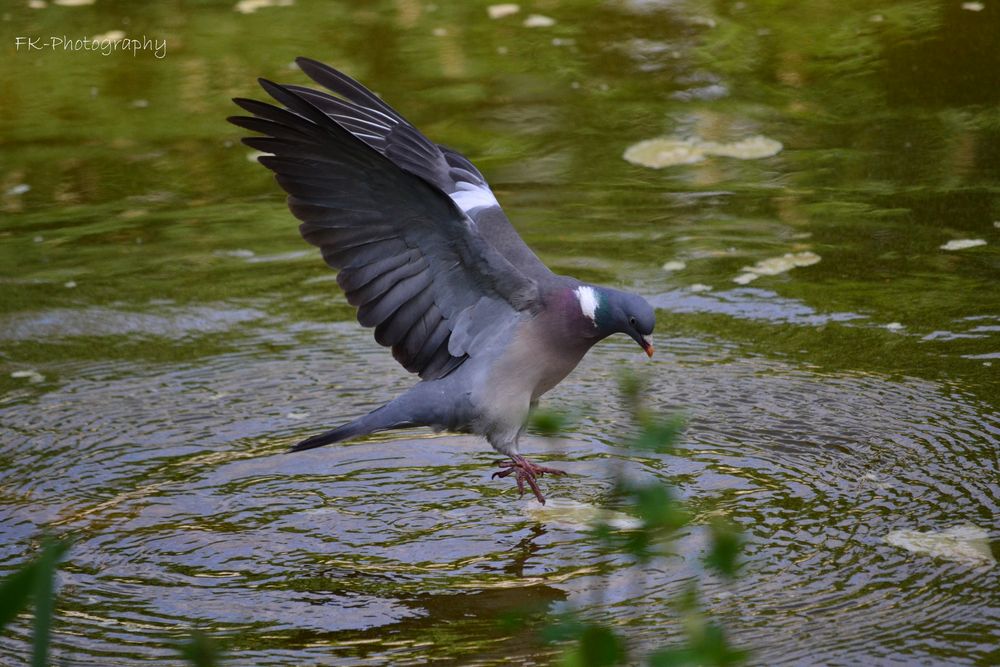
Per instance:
(187,512)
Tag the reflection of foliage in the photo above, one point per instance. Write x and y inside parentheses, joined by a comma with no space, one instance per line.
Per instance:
(33,584)
(790,44)
(661,515)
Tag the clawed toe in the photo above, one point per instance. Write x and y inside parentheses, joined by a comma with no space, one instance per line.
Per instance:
(541,470)
(525,472)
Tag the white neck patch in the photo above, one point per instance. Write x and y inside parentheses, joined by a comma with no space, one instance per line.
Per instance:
(587,297)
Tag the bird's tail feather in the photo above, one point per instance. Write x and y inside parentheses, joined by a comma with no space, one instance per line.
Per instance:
(336,435)
(381,419)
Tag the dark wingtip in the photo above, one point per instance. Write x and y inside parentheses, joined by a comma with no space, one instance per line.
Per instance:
(306,64)
(245,103)
(271,87)
(255,143)
(236,120)
(297,104)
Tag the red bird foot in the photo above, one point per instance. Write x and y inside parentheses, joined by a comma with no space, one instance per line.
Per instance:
(525,471)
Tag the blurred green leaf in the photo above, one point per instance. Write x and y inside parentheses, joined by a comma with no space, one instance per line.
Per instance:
(52,551)
(710,649)
(15,592)
(662,515)
(602,532)
(201,650)
(671,657)
(564,627)
(725,547)
(631,385)
(549,423)
(657,507)
(660,434)
(639,543)
(716,650)
(687,601)
(599,646)
(33,582)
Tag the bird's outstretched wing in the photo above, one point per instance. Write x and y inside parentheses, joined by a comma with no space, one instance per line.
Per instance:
(410,259)
(363,114)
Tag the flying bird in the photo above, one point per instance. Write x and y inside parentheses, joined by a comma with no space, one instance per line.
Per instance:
(431,261)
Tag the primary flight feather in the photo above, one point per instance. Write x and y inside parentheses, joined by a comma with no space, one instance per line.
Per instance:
(429,259)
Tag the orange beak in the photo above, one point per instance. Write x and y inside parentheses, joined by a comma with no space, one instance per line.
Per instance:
(647,345)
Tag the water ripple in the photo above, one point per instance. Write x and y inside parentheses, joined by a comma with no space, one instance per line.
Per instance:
(185,506)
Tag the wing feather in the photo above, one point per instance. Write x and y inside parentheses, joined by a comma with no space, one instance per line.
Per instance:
(411,261)
(386,282)
(361,112)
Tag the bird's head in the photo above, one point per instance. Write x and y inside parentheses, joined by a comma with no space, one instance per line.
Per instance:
(611,311)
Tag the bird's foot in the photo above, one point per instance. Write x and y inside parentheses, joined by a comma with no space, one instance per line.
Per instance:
(525,472)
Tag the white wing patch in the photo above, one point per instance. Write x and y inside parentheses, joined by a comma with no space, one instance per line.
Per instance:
(588,302)
(470,196)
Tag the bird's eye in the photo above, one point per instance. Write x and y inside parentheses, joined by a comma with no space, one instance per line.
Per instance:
(631,321)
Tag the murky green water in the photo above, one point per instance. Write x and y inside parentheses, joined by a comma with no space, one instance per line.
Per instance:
(165,334)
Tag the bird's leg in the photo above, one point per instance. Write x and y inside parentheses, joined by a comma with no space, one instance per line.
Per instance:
(525,472)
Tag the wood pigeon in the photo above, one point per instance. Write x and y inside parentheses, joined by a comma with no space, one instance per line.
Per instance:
(429,259)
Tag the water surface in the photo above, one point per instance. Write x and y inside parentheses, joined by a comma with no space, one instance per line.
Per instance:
(165,335)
